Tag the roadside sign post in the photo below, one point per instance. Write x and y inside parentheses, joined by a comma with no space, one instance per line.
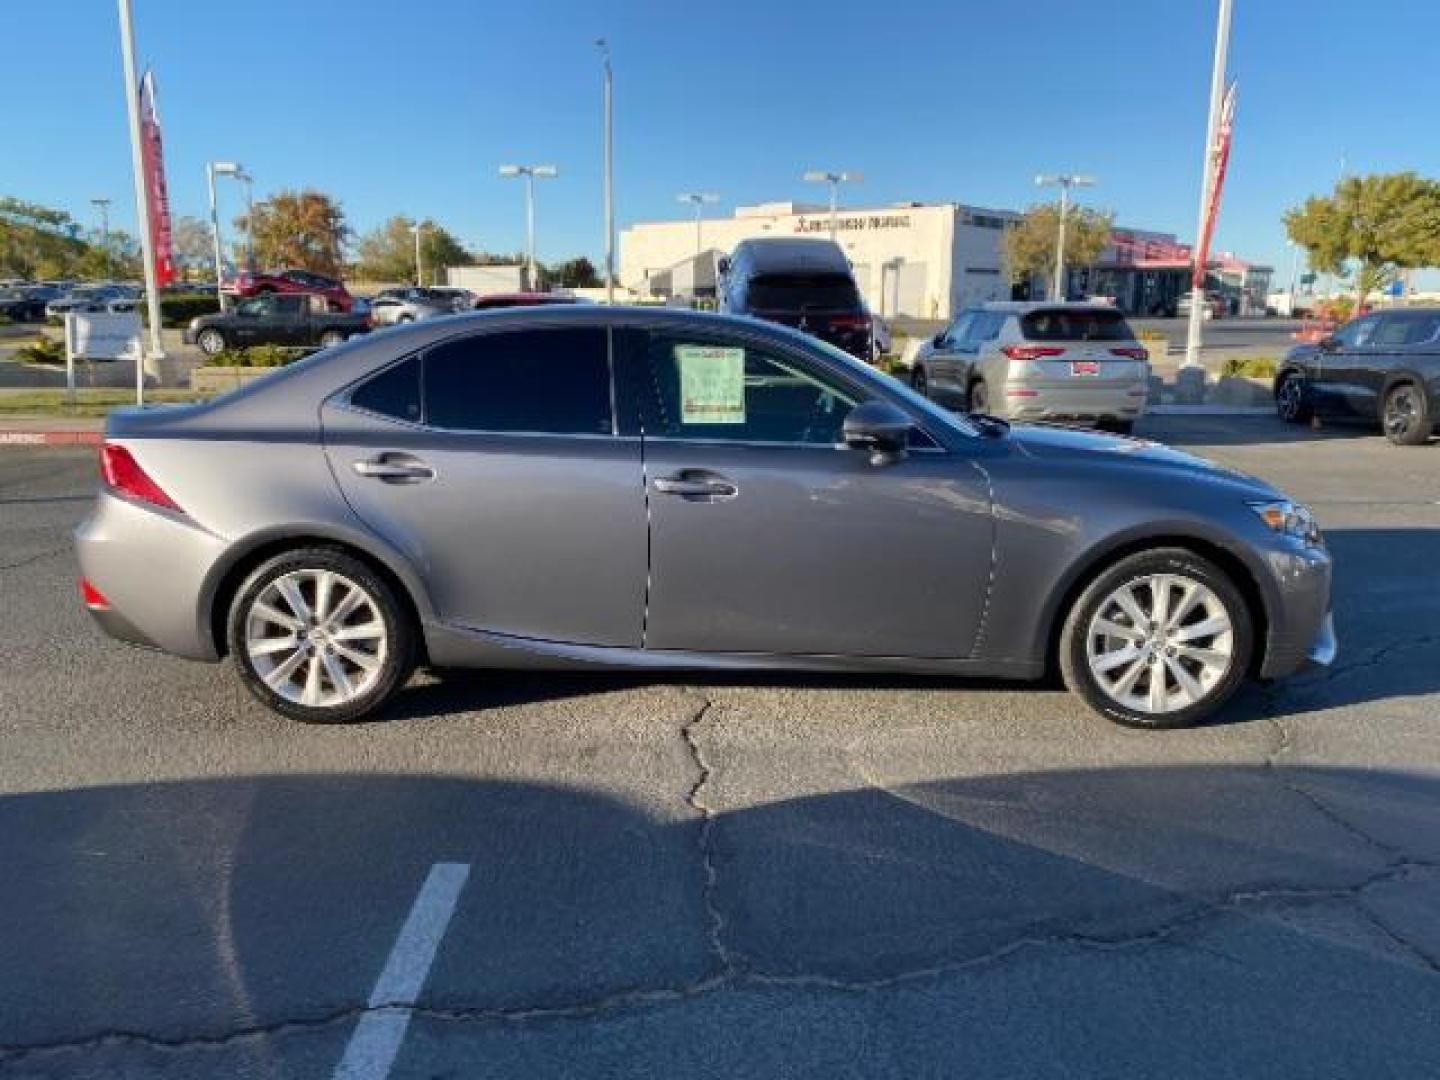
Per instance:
(70,318)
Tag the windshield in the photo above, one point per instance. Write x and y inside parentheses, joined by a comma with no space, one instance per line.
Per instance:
(799,292)
(1070,324)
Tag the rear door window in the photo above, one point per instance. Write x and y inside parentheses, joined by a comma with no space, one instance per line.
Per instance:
(799,292)
(550,381)
(1061,324)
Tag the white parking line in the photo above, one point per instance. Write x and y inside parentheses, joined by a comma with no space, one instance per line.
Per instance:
(377,1038)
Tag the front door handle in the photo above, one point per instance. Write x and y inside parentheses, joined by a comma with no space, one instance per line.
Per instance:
(695,484)
(394,468)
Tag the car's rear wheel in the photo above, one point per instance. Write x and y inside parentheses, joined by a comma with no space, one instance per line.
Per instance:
(211,341)
(319,636)
(331,338)
(1291,402)
(1161,639)
(1406,415)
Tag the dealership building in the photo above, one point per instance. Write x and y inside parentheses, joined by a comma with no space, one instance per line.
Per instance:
(928,260)
(925,261)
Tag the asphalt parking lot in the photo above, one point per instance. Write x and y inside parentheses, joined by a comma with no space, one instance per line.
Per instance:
(526,875)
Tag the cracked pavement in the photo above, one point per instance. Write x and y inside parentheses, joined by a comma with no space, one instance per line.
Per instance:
(786,876)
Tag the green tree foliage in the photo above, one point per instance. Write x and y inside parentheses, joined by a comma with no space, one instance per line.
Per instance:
(194,248)
(1029,244)
(1372,226)
(302,229)
(578,273)
(37,241)
(387,253)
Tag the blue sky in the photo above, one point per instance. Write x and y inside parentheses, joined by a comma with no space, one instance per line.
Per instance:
(399,108)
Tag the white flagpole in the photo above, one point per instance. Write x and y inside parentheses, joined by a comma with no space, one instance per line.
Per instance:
(142,199)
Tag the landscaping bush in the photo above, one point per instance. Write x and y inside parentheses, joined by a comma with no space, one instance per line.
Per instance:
(259,356)
(1250,367)
(177,309)
(42,350)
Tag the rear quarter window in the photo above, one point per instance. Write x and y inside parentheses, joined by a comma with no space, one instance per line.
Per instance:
(1062,325)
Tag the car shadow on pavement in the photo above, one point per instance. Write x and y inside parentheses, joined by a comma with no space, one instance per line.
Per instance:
(1180,922)
(1203,431)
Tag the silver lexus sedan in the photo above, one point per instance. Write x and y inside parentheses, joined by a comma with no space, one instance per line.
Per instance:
(591,487)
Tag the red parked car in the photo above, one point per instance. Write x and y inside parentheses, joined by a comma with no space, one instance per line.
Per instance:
(294,281)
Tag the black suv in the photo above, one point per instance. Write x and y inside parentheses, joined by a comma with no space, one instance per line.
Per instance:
(806,284)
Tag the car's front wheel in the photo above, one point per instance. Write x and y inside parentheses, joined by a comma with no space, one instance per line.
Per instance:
(920,381)
(319,636)
(330,338)
(1161,639)
(978,400)
(211,341)
(1292,404)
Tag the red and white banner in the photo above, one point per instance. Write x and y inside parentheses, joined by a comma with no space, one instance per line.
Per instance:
(158,204)
(1219,160)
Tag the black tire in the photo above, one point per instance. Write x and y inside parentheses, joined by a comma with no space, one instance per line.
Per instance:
(212,342)
(1073,645)
(396,657)
(977,398)
(1406,415)
(920,381)
(330,338)
(1117,427)
(1292,402)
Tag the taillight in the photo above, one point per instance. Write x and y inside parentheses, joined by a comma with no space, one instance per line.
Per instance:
(1130,353)
(92,596)
(1030,352)
(123,475)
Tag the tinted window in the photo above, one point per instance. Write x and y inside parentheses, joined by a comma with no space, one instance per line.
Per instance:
(961,328)
(1406,330)
(792,292)
(552,381)
(736,392)
(395,392)
(1356,333)
(987,325)
(1060,324)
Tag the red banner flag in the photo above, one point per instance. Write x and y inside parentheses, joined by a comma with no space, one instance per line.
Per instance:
(158,205)
(1219,160)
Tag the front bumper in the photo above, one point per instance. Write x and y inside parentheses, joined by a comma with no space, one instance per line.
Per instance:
(1326,644)
(1301,628)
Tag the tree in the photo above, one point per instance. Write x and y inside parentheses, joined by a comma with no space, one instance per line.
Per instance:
(304,229)
(194,247)
(37,241)
(1029,244)
(1373,225)
(387,253)
(576,273)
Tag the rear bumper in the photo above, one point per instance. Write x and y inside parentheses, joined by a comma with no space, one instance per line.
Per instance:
(151,566)
(1110,402)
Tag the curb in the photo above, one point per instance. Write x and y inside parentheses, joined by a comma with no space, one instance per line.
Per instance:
(1210,410)
(51,438)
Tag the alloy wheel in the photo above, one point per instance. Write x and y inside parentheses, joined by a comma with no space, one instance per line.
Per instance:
(1160,643)
(1288,399)
(316,638)
(1402,411)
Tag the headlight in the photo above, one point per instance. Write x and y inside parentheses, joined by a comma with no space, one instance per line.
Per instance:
(1290,519)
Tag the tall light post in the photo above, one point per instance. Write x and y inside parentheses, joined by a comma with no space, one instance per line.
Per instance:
(1207,179)
(834,179)
(416,230)
(530,172)
(249,182)
(142,197)
(1294,274)
(212,170)
(609,136)
(1064,182)
(103,205)
(698,200)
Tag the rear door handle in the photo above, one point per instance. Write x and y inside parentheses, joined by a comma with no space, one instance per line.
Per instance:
(394,468)
(695,485)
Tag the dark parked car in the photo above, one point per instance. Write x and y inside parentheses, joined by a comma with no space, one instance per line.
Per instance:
(275,319)
(26,303)
(600,487)
(806,284)
(294,281)
(1382,367)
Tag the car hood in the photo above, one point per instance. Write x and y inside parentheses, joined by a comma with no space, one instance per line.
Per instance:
(1054,441)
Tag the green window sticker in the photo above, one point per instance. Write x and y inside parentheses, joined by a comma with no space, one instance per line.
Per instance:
(712,384)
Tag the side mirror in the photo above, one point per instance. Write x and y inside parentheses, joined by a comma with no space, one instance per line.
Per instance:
(938,340)
(723,265)
(878,428)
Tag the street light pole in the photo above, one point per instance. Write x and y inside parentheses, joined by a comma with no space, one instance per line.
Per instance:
(529,173)
(1294,274)
(609,125)
(1207,176)
(1064,182)
(834,179)
(419,266)
(212,170)
(249,182)
(142,197)
(698,200)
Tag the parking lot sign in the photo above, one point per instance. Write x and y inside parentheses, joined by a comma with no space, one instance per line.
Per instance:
(100,335)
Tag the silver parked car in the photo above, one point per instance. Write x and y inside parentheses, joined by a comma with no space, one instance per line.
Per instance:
(1038,361)
(393,306)
(583,486)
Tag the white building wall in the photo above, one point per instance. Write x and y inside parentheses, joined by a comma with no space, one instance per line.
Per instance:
(918,261)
